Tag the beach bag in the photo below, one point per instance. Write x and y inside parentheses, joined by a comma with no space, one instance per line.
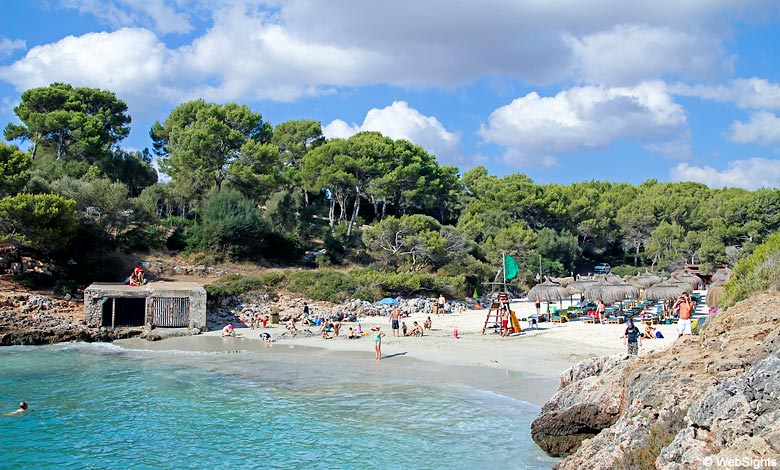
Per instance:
(658,334)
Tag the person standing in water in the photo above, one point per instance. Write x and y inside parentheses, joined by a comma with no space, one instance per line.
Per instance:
(378,334)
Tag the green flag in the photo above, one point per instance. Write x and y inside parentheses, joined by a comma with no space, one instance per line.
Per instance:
(510,267)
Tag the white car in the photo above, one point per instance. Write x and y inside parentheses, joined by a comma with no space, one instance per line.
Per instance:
(602,268)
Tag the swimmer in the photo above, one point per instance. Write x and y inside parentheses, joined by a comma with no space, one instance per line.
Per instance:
(378,334)
(22,408)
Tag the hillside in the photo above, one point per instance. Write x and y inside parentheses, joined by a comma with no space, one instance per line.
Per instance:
(714,396)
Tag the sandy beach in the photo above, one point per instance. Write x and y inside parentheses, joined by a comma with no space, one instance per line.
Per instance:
(542,352)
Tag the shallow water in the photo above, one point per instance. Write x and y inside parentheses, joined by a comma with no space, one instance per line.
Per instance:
(105,406)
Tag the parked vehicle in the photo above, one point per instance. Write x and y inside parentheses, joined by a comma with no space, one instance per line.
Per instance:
(602,268)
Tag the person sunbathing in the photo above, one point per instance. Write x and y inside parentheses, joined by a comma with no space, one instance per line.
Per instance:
(416,330)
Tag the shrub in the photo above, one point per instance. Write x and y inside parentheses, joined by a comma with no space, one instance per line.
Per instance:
(759,271)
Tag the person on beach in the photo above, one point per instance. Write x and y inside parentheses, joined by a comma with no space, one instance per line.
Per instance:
(266,337)
(305,310)
(395,316)
(601,311)
(291,325)
(403,328)
(504,322)
(416,330)
(632,339)
(228,330)
(648,334)
(351,333)
(378,334)
(428,323)
(685,305)
(358,330)
(22,408)
(442,303)
(538,305)
(137,277)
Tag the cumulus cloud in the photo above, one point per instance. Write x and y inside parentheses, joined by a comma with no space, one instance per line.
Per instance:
(8,46)
(762,128)
(399,121)
(582,118)
(628,54)
(751,174)
(129,62)
(746,93)
(157,15)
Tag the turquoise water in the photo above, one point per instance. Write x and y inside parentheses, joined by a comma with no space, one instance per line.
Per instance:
(102,406)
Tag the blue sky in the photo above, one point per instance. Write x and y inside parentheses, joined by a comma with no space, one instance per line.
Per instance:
(561,90)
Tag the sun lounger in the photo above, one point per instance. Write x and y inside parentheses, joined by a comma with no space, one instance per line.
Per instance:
(615,320)
(560,318)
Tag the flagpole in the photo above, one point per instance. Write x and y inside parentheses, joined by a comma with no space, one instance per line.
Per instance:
(503,268)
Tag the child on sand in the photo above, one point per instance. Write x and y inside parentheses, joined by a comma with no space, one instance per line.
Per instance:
(228,330)
(632,338)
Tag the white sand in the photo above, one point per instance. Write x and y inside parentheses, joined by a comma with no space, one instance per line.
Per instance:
(546,351)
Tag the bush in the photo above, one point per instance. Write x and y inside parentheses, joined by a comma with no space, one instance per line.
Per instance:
(759,271)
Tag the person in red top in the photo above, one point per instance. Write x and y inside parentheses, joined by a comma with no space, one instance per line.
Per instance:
(137,278)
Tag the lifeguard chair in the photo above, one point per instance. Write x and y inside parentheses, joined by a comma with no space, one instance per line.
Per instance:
(500,305)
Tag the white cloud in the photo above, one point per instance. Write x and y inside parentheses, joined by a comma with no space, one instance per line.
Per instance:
(151,14)
(628,54)
(8,46)
(129,62)
(747,93)
(582,118)
(763,128)
(399,121)
(749,174)
(285,50)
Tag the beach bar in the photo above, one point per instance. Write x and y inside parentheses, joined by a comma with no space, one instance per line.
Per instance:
(160,304)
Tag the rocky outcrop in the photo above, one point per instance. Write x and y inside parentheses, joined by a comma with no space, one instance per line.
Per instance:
(581,408)
(710,395)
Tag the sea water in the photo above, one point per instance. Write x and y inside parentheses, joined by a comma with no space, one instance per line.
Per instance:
(104,406)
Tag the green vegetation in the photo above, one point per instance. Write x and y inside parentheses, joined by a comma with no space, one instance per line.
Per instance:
(757,272)
(241,189)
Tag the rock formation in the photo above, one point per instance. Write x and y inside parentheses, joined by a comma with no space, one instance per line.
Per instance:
(710,396)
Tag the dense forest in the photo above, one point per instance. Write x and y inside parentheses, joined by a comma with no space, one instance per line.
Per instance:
(239,188)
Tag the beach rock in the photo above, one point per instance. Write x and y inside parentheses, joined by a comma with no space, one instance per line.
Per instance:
(707,396)
(585,404)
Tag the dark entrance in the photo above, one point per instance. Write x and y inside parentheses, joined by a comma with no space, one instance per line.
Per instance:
(127,312)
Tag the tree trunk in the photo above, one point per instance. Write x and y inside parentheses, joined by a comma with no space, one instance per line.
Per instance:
(332,213)
(355,210)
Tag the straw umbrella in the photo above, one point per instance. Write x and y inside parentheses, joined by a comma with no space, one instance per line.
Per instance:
(643,281)
(610,293)
(721,276)
(714,295)
(549,291)
(688,278)
(668,289)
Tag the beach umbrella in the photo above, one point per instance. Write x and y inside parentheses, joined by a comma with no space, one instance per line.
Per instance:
(669,289)
(549,291)
(564,281)
(690,279)
(714,295)
(388,301)
(643,281)
(578,287)
(614,279)
(721,276)
(610,293)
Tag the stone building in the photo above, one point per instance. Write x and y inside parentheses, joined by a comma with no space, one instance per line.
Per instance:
(160,304)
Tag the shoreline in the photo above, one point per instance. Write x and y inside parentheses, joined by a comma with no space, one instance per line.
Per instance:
(489,361)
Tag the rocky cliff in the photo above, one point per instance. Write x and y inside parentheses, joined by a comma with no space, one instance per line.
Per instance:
(707,400)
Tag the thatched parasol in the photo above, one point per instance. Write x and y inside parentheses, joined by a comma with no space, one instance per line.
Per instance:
(610,293)
(548,290)
(614,279)
(688,278)
(714,294)
(669,289)
(578,287)
(565,281)
(643,281)
(721,276)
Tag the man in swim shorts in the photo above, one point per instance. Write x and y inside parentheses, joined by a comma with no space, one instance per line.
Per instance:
(395,316)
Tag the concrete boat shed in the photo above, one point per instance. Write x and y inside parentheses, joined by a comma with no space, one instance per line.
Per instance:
(160,304)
